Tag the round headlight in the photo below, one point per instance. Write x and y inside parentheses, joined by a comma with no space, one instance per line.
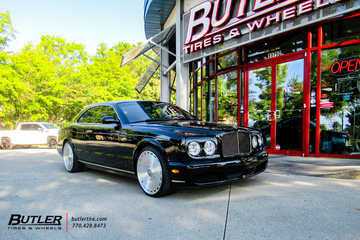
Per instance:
(254,142)
(209,147)
(260,141)
(194,148)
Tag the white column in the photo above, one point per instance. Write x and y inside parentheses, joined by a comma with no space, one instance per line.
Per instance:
(164,80)
(182,70)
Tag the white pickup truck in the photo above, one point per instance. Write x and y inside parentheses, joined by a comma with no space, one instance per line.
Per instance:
(30,133)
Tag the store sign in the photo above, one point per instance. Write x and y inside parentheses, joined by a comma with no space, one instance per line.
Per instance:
(345,66)
(207,26)
(325,103)
(345,70)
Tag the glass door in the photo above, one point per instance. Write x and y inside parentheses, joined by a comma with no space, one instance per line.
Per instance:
(276,104)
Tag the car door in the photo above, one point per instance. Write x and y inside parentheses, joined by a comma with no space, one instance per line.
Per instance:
(26,134)
(40,135)
(79,133)
(103,144)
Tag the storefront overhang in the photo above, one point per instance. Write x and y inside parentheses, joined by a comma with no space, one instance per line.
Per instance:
(156,12)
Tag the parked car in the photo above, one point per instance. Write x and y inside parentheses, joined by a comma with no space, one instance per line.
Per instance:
(289,136)
(161,145)
(30,133)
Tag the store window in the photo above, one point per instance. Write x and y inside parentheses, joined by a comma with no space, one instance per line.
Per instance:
(208,90)
(340,31)
(228,97)
(214,88)
(225,62)
(340,100)
(313,100)
(290,43)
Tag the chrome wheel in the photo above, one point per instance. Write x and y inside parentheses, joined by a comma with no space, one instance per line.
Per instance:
(68,157)
(149,172)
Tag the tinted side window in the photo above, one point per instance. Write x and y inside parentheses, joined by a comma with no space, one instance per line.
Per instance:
(95,114)
(87,116)
(36,126)
(26,127)
(104,111)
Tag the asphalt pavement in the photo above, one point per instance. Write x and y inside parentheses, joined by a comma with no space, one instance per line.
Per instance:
(290,200)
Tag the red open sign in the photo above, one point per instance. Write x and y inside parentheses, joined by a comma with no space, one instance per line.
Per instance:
(345,66)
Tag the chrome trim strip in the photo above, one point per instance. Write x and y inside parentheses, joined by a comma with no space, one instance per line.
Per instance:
(111,168)
(177,181)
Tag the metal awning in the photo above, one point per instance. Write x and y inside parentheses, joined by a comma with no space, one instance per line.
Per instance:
(149,73)
(159,39)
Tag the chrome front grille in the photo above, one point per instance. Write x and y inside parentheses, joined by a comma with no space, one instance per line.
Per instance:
(236,143)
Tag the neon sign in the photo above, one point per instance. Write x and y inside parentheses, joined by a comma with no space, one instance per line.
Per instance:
(207,26)
(345,66)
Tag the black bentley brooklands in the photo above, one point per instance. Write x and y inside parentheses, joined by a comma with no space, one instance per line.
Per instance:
(161,145)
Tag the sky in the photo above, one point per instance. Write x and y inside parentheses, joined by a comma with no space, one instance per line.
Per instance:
(87,22)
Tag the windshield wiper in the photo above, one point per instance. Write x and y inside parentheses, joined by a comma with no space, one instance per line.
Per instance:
(156,119)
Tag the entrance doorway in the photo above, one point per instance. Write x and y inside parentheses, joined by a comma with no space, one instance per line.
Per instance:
(276,104)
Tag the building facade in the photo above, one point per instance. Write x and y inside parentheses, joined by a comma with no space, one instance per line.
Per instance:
(288,67)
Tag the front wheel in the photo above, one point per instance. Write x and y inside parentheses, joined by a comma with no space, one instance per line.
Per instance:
(71,162)
(152,173)
(6,143)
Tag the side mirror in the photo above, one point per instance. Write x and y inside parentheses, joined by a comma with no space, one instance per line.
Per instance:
(40,129)
(109,120)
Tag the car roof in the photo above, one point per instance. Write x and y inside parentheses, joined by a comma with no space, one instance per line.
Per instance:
(120,101)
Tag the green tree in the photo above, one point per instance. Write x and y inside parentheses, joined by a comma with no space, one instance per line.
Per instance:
(7,31)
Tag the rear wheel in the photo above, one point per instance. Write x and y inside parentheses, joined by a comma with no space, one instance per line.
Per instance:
(152,173)
(52,143)
(6,143)
(71,162)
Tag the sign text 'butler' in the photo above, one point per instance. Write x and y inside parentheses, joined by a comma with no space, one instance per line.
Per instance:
(208,22)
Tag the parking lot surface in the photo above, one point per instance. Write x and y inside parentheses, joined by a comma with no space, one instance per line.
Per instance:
(277,204)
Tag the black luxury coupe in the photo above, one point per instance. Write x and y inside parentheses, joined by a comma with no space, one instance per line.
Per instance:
(161,145)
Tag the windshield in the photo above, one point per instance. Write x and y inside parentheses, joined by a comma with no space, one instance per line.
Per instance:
(153,111)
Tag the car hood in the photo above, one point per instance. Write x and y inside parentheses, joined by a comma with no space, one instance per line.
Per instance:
(195,128)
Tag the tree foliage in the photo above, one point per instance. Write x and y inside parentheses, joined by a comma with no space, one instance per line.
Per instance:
(55,79)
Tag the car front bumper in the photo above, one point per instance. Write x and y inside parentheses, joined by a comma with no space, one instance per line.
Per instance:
(217,172)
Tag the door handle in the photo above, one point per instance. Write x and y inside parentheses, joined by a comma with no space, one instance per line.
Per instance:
(89,131)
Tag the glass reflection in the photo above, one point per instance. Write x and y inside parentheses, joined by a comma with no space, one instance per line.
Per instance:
(228,97)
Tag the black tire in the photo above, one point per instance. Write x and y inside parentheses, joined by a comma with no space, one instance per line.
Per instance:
(6,143)
(52,142)
(153,173)
(71,162)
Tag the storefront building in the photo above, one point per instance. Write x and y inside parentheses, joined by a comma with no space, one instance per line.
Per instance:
(288,67)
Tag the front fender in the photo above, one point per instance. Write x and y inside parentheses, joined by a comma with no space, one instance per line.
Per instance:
(60,145)
(163,145)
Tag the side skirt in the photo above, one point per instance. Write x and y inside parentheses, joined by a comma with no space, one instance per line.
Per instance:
(118,171)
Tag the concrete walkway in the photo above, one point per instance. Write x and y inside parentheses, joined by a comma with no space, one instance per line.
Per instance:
(311,166)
